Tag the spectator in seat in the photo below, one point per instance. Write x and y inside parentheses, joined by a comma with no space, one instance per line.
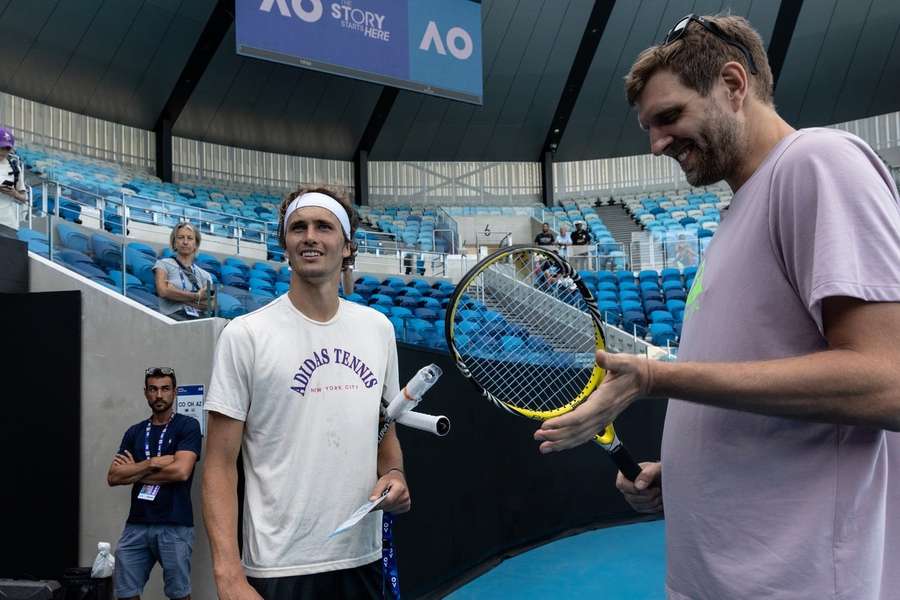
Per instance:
(545,237)
(185,290)
(581,236)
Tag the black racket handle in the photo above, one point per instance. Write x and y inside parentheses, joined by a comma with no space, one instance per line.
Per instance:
(626,464)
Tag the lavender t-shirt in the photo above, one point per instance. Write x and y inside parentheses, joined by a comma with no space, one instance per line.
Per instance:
(767,507)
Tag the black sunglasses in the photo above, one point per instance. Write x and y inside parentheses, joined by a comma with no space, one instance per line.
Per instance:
(678,31)
(159,371)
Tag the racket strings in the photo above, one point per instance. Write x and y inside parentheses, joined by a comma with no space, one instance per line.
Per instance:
(524,335)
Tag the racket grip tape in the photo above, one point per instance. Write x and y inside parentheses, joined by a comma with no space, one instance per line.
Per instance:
(626,464)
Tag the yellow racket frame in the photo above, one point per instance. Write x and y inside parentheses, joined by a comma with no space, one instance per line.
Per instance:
(608,436)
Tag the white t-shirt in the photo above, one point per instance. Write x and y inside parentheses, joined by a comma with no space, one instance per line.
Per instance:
(309,394)
(12,212)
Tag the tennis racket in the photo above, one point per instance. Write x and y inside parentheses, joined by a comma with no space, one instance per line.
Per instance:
(524,329)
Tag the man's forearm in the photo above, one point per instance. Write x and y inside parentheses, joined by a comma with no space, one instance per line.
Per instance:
(171,473)
(126,474)
(390,456)
(834,386)
(220,516)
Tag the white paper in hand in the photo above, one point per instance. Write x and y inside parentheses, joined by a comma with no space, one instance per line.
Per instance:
(358,514)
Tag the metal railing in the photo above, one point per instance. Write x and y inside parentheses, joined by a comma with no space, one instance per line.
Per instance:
(654,253)
(619,340)
(116,212)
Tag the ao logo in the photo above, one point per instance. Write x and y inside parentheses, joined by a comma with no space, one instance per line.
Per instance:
(456,34)
(310,16)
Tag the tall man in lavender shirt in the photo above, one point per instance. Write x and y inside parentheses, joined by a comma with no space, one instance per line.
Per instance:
(780,451)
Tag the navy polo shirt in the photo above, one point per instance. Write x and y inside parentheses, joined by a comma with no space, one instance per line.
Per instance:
(172,505)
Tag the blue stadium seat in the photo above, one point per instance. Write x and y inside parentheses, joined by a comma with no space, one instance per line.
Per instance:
(607,276)
(144,297)
(401,312)
(234,279)
(630,319)
(670,274)
(408,301)
(130,280)
(143,248)
(427,314)
(632,306)
(653,305)
(258,300)
(107,252)
(69,210)
(229,306)
(467,327)
(611,311)
(383,309)
(648,275)
(364,290)
(662,334)
(72,257)
(366,280)
(662,316)
(672,284)
(258,284)
(264,269)
(607,286)
(71,237)
(606,296)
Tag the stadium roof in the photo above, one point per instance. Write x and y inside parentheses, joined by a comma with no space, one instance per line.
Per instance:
(130,61)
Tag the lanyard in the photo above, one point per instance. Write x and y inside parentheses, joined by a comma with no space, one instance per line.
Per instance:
(162,436)
(195,285)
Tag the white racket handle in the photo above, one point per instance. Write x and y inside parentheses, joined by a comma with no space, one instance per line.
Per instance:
(412,394)
(438,425)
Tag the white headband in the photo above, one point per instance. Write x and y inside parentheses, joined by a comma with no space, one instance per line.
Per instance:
(322,201)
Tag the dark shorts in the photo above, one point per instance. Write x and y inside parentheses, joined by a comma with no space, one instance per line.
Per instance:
(360,582)
(142,546)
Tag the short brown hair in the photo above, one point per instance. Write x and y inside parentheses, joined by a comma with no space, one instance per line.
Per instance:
(178,228)
(335,193)
(698,56)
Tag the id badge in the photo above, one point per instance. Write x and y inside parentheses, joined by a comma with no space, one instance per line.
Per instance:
(148,492)
(191,311)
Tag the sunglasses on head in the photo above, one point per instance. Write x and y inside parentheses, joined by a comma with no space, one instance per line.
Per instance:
(679,29)
(159,371)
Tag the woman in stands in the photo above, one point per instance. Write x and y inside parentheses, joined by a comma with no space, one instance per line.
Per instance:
(181,285)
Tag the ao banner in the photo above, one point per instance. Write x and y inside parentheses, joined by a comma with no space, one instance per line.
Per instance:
(430,46)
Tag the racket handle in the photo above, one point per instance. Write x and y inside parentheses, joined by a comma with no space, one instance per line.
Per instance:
(626,464)
(438,425)
(407,398)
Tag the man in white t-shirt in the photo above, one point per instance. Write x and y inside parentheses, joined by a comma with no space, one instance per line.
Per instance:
(298,385)
(13,195)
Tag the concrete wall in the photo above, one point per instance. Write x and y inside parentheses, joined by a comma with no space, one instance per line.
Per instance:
(121,338)
(471,228)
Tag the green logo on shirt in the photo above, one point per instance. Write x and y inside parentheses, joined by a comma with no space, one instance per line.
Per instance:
(691,306)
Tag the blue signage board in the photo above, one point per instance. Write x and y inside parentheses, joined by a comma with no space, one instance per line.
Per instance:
(429,46)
